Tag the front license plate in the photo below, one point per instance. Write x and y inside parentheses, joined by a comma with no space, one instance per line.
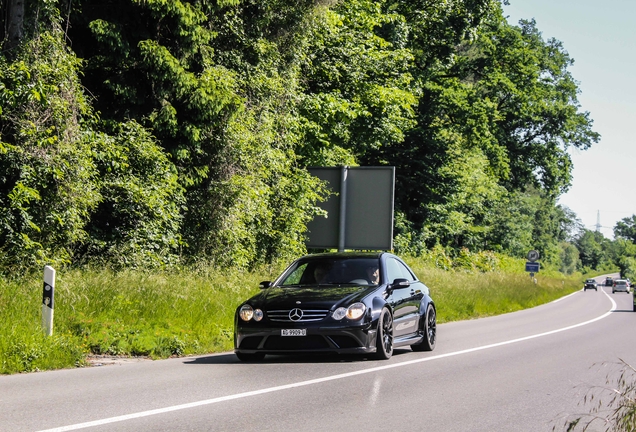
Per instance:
(293,332)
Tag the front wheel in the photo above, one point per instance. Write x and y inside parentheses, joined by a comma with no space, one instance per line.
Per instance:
(384,339)
(429,330)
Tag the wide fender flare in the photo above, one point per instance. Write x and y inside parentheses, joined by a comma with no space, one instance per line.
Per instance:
(423,306)
(426,300)
(377,305)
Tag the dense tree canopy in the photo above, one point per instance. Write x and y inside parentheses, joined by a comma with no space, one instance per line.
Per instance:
(157,132)
(626,229)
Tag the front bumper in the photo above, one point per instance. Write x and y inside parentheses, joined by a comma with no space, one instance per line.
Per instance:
(250,338)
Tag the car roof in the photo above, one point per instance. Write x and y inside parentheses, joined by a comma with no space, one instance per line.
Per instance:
(343,255)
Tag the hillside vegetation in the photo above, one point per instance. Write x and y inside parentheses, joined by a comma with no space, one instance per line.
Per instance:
(157,134)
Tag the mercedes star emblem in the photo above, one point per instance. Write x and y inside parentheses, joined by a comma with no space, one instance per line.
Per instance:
(295,314)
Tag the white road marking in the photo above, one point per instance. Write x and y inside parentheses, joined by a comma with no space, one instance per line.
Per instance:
(317,380)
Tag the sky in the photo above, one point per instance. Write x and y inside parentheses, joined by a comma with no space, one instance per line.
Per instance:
(601,38)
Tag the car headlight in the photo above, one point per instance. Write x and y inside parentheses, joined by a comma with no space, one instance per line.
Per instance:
(339,313)
(356,310)
(353,312)
(246,312)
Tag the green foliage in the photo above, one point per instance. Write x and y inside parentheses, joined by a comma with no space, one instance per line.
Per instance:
(209,111)
(358,95)
(594,249)
(569,258)
(532,99)
(221,103)
(626,229)
(141,197)
(624,256)
(47,175)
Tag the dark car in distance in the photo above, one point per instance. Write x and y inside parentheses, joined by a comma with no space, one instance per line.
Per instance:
(344,303)
(590,284)
(609,281)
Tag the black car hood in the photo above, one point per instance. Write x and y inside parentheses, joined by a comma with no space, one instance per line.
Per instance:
(322,297)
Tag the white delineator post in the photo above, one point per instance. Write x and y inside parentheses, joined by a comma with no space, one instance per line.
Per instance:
(47,300)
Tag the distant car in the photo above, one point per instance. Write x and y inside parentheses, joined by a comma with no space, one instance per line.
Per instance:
(609,281)
(345,303)
(590,284)
(620,285)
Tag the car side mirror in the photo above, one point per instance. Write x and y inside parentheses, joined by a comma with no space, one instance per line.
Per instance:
(264,284)
(400,283)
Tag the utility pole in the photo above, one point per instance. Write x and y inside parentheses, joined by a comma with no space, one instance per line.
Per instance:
(598,221)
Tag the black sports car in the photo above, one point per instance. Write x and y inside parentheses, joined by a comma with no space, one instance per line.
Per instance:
(346,303)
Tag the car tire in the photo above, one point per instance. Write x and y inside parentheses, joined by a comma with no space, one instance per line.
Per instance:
(250,357)
(430,331)
(384,338)
(634,307)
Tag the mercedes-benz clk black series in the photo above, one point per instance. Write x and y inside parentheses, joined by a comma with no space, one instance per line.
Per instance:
(346,303)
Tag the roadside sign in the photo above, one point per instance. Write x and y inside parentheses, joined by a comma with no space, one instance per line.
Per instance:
(360,210)
(532,267)
(533,255)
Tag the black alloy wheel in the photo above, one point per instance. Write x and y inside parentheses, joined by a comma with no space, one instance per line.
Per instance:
(250,357)
(429,331)
(384,340)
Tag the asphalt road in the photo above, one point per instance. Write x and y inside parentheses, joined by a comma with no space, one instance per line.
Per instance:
(521,371)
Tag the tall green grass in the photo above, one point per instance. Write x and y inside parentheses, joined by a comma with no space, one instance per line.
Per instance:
(133,313)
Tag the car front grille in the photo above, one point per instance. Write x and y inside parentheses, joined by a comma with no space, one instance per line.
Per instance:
(307,315)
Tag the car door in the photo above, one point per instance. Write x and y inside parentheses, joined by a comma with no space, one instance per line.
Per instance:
(405,301)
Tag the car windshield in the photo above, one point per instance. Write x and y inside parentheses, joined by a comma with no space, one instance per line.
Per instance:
(333,271)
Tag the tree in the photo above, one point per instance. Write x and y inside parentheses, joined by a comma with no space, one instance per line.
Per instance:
(593,249)
(216,83)
(506,97)
(47,175)
(626,229)
(14,23)
(569,258)
(531,103)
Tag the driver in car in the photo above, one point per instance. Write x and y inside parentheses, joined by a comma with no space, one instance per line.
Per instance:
(321,273)
(373,274)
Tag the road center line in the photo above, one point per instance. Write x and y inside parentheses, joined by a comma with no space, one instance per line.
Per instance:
(318,380)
